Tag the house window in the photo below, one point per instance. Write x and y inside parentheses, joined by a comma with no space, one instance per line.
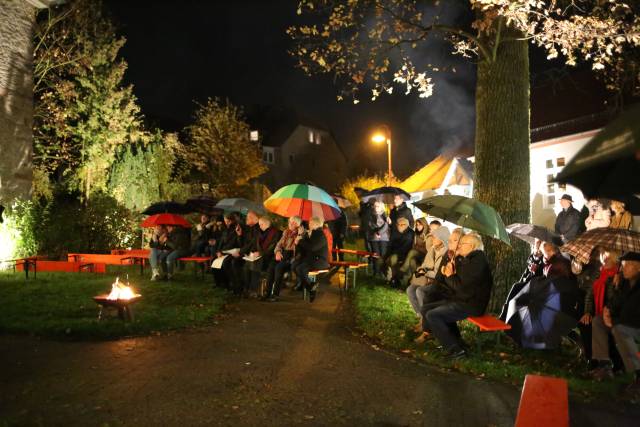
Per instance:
(550,188)
(551,200)
(549,164)
(267,155)
(254,135)
(310,136)
(560,161)
(562,187)
(291,159)
(549,178)
(314,137)
(318,138)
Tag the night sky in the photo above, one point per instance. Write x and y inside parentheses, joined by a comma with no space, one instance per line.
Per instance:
(186,51)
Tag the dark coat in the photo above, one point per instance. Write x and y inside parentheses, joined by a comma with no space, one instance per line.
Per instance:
(314,249)
(178,240)
(228,239)
(625,304)
(366,209)
(378,225)
(398,212)
(249,239)
(338,227)
(535,265)
(568,224)
(472,282)
(401,243)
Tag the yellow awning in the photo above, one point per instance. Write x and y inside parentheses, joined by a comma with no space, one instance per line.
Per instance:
(430,177)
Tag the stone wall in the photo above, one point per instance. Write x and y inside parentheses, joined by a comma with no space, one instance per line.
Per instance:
(17,18)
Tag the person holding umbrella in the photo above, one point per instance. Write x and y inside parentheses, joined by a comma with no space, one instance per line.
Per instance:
(377,235)
(313,250)
(179,244)
(469,278)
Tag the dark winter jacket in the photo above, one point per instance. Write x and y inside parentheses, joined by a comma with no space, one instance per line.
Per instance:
(398,212)
(472,282)
(314,249)
(178,240)
(568,224)
(401,243)
(535,265)
(625,304)
(338,227)
(249,239)
(365,212)
(378,225)
(228,239)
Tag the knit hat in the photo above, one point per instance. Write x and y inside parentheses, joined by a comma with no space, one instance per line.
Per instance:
(441,233)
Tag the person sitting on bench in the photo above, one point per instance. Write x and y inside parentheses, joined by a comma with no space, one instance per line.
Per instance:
(399,246)
(283,257)
(469,278)
(313,250)
(158,246)
(621,316)
(179,244)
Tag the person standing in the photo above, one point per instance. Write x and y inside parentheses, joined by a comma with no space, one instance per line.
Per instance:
(599,215)
(621,217)
(365,212)
(378,235)
(338,228)
(399,210)
(568,223)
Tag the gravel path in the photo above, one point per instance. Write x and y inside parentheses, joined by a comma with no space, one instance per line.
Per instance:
(284,363)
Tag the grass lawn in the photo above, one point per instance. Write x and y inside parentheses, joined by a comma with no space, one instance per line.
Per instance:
(60,305)
(385,315)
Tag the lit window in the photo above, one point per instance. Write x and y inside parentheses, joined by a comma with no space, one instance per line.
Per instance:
(562,187)
(560,161)
(550,188)
(311,136)
(254,135)
(549,164)
(318,138)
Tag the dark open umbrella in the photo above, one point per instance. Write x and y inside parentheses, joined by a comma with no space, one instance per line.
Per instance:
(385,194)
(608,165)
(536,314)
(205,205)
(240,205)
(466,212)
(530,232)
(167,207)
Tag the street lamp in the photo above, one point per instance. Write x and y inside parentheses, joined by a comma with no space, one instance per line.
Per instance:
(383,134)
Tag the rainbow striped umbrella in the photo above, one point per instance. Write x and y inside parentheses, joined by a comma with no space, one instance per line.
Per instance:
(303,200)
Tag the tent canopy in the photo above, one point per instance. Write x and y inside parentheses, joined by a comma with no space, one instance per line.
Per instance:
(441,170)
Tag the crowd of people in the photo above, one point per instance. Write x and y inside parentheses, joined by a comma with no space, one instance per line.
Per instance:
(445,273)
(249,252)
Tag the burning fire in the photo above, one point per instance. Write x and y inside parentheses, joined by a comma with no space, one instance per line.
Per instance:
(121,291)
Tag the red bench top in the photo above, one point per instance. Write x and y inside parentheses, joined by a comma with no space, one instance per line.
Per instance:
(347,264)
(489,323)
(196,258)
(544,402)
(355,252)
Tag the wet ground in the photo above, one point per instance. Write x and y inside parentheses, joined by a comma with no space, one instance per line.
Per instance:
(284,363)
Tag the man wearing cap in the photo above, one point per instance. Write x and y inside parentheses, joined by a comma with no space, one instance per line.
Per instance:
(621,316)
(568,222)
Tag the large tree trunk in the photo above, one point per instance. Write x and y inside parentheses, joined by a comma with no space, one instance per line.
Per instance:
(501,175)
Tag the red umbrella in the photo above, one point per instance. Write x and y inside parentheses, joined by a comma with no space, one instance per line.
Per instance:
(165,219)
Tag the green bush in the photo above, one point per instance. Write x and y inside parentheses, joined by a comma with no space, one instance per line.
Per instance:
(65,224)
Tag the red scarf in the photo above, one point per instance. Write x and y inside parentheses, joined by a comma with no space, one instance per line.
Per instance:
(599,287)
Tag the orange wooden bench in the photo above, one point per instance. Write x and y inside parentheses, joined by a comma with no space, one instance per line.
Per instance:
(544,402)
(199,260)
(66,266)
(488,323)
(313,277)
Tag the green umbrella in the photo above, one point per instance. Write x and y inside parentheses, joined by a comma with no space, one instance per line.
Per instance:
(466,212)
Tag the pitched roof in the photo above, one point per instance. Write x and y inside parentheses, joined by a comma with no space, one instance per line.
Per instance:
(429,177)
(277,124)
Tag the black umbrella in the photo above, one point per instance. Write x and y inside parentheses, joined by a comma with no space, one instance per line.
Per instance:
(205,205)
(607,165)
(167,207)
(530,232)
(538,314)
(385,194)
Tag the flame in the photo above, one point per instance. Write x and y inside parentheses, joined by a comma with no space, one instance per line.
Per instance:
(121,291)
